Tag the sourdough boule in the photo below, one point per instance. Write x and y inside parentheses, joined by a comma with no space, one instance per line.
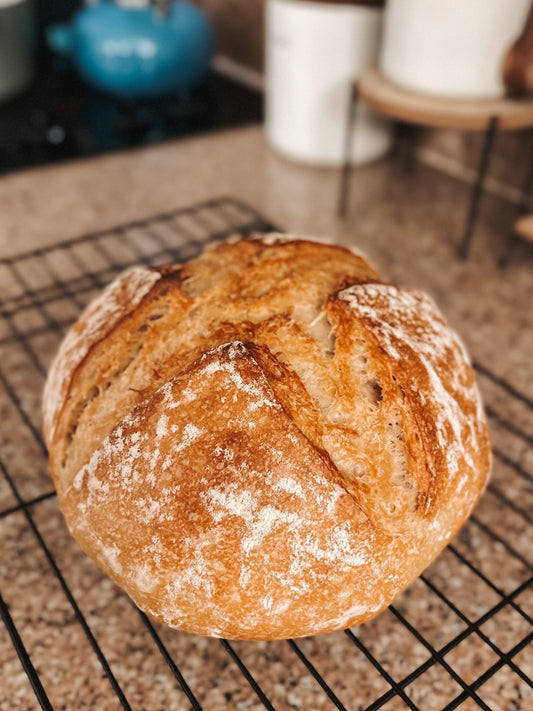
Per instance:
(268,441)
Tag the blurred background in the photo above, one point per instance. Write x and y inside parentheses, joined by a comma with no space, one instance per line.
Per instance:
(48,112)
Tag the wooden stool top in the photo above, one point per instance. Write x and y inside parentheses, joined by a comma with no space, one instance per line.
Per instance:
(402,104)
(523,227)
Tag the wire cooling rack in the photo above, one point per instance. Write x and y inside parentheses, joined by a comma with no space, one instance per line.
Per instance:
(459,638)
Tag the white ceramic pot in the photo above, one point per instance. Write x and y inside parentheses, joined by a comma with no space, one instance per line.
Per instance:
(450,48)
(314,51)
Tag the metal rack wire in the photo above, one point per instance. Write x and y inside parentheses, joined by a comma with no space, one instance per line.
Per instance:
(459,638)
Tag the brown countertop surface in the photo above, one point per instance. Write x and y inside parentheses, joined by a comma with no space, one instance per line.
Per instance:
(477,594)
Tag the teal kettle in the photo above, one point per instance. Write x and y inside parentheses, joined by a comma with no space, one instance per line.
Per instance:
(136,49)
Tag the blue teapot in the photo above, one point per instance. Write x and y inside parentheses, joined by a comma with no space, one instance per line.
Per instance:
(137,49)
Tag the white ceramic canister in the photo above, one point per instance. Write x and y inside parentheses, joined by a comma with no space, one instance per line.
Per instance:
(17,46)
(452,48)
(314,52)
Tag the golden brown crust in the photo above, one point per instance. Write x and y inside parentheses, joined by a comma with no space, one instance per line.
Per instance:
(266,442)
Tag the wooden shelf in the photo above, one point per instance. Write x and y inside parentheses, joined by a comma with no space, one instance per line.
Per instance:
(434,111)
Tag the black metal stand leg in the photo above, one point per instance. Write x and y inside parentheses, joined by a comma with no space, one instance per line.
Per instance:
(478,187)
(406,141)
(346,170)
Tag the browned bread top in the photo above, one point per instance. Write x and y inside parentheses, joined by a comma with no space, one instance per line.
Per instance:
(266,442)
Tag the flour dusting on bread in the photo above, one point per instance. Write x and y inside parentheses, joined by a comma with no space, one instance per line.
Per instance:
(121,296)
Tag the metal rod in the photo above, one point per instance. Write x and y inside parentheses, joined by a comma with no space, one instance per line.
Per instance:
(247,675)
(195,704)
(317,676)
(24,657)
(477,191)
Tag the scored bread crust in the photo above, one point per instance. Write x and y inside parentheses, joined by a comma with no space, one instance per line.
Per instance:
(266,442)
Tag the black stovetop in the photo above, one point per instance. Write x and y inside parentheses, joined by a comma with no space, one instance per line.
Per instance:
(60,117)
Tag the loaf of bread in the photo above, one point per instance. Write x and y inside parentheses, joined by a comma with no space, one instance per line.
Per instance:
(266,442)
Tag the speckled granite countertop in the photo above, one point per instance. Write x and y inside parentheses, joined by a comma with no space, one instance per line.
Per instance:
(459,638)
